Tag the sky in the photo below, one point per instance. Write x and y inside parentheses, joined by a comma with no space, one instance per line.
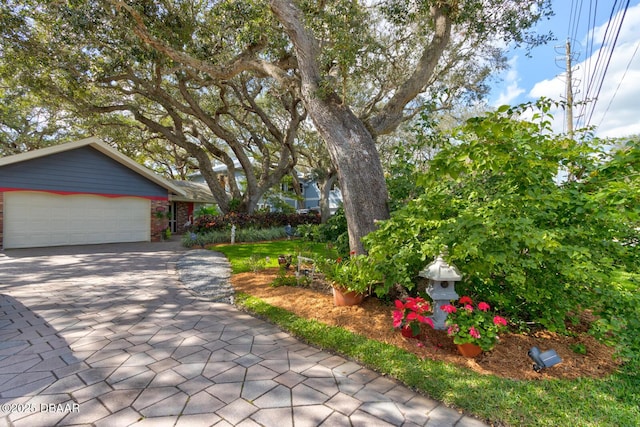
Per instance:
(616,112)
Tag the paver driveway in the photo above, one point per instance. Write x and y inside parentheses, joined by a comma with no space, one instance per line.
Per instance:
(105,335)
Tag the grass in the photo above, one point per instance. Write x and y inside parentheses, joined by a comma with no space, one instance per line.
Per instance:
(609,401)
(244,256)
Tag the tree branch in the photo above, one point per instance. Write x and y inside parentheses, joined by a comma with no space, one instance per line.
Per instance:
(392,113)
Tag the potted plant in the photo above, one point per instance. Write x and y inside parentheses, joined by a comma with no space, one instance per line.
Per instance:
(349,278)
(410,315)
(473,327)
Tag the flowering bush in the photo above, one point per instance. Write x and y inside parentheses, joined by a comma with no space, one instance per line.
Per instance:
(476,325)
(413,313)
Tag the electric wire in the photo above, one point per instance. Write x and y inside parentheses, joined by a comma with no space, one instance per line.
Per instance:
(591,25)
(606,67)
(597,72)
(619,83)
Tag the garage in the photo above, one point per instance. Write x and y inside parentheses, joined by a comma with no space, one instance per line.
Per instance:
(36,219)
(83,192)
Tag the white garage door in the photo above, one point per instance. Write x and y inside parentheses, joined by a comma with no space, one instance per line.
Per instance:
(34,219)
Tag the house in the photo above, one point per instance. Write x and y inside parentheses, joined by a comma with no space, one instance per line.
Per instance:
(309,190)
(86,192)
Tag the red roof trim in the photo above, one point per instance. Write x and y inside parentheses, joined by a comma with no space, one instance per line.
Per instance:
(73,193)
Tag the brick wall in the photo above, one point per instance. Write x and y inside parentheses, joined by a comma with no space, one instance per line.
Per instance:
(182,216)
(158,224)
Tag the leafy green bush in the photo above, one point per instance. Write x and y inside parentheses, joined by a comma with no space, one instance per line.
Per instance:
(537,248)
(333,231)
(206,210)
(353,273)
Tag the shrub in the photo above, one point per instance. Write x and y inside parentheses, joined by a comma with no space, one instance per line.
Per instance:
(206,210)
(353,273)
(190,240)
(334,231)
(258,220)
(539,249)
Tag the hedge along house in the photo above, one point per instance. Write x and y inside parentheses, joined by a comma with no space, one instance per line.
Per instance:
(82,192)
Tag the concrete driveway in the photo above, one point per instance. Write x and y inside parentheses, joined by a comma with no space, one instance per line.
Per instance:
(106,335)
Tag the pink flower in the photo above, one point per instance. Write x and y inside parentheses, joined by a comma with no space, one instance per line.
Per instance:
(465,300)
(397,319)
(425,319)
(497,320)
(412,316)
(399,305)
(453,329)
(448,308)
(483,306)
(468,307)
(474,332)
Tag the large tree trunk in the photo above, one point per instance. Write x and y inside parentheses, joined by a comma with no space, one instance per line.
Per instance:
(353,152)
(350,145)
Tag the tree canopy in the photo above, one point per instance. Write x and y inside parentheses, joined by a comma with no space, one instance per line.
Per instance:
(231,81)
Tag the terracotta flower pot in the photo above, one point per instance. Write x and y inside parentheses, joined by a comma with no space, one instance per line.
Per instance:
(343,297)
(469,350)
(407,332)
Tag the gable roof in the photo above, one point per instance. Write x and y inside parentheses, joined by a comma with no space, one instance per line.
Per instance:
(195,192)
(103,148)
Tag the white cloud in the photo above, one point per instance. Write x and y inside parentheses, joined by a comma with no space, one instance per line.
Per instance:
(511,89)
(616,109)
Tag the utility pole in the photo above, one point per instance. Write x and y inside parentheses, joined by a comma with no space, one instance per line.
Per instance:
(569,91)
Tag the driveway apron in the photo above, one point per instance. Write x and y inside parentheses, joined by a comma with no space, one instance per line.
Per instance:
(109,335)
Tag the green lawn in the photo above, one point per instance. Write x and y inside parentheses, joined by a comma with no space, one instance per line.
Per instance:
(610,401)
(244,255)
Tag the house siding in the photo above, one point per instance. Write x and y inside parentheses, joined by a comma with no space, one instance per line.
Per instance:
(82,170)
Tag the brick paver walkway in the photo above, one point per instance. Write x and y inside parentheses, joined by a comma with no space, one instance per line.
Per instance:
(106,336)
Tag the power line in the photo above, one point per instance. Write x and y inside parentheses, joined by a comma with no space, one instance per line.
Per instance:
(591,24)
(613,45)
(619,83)
(594,72)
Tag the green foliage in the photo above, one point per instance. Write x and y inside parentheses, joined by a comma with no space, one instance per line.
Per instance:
(411,159)
(334,231)
(240,254)
(579,348)
(190,240)
(284,279)
(206,210)
(353,273)
(535,247)
(257,263)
